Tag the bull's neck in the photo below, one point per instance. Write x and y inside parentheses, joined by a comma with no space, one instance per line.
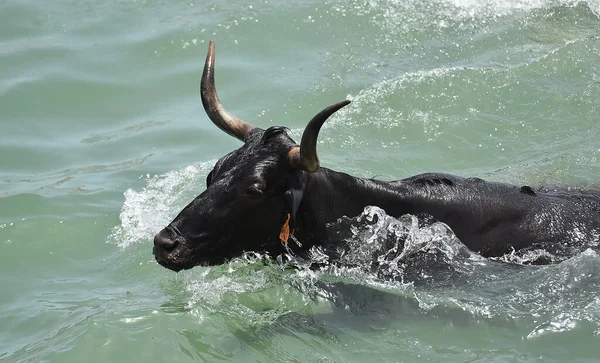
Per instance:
(330,195)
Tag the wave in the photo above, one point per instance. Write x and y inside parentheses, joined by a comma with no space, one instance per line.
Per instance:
(432,277)
(472,8)
(395,14)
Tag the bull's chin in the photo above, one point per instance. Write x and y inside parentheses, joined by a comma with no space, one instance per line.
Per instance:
(172,267)
(186,258)
(186,265)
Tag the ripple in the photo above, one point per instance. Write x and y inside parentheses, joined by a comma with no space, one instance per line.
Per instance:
(66,181)
(123,132)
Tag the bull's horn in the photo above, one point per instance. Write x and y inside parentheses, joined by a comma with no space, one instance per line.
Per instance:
(232,125)
(305,157)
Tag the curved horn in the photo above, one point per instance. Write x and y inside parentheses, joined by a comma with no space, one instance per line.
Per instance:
(305,157)
(210,100)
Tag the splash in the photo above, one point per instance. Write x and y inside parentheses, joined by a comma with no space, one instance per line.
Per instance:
(374,97)
(373,250)
(465,13)
(210,285)
(533,256)
(409,250)
(145,212)
(473,8)
(561,323)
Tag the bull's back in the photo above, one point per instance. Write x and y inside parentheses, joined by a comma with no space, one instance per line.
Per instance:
(493,218)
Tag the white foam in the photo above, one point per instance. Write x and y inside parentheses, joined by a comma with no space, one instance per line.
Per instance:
(133,320)
(146,212)
(371,97)
(463,10)
(209,285)
(389,252)
(558,324)
(507,7)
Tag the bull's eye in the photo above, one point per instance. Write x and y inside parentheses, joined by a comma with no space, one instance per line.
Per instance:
(255,190)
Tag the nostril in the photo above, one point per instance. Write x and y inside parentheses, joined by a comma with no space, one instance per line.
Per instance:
(165,243)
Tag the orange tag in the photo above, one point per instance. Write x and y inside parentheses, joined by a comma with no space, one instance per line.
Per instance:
(285,230)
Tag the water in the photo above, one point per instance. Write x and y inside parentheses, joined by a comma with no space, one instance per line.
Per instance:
(103,140)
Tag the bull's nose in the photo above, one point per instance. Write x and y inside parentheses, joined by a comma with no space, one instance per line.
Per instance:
(164,243)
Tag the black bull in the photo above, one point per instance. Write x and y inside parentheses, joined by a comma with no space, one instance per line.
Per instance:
(271,184)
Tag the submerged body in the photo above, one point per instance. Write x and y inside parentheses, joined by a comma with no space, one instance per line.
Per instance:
(489,218)
(244,208)
(270,185)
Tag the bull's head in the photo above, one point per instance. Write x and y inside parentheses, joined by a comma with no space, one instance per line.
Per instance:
(250,192)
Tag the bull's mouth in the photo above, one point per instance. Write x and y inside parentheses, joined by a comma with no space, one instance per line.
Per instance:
(167,264)
(174,252)
(176,265)
(170,260)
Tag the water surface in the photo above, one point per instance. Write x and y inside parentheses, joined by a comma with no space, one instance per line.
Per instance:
(104,140)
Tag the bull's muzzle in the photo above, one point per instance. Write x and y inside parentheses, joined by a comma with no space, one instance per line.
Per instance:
(165,245)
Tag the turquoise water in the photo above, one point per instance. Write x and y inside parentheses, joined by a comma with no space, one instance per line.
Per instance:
(104,140)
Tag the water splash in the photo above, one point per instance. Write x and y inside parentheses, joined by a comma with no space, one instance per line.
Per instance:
(374,97)
(561,323)
(209,285)
(410,249)
(472,8)
(464,13)
(146,212)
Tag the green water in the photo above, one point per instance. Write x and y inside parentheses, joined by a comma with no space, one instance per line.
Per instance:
(103,140)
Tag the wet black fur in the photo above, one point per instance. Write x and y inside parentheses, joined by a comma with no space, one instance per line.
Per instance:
(243,208)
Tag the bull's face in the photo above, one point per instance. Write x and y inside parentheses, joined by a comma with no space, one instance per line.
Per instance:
(241,209)
(250,192)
